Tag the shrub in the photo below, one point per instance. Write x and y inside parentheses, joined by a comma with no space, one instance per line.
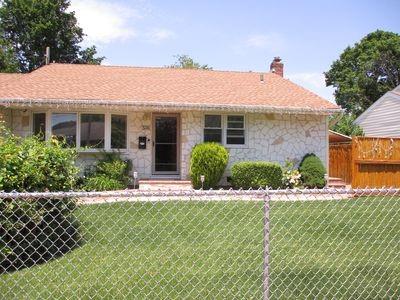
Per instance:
(256,174)
(291,176)
(312,171)
(110,173)
(102,183)
(35,230)
(210,160)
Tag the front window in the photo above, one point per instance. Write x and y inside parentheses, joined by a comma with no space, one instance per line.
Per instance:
(213,128)
(92,130)
(118,131)
(63,126)
(235,130)
(39,125)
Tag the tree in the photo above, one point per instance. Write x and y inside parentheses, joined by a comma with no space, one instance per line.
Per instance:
(366,71)
(8,60)
(183,61)
(345,125)
(32,25)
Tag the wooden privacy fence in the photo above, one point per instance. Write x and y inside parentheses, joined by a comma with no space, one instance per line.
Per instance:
(367,162)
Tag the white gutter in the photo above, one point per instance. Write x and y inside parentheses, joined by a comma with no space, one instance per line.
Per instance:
(162,106)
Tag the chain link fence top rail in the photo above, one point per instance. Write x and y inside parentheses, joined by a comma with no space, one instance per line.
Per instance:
(221,244)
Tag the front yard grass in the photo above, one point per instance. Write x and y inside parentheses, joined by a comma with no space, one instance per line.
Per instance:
(167,250)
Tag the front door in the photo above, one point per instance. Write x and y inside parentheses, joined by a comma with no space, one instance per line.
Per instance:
(165,144)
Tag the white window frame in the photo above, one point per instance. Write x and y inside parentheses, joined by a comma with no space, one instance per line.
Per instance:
(220,128)
(107,128)
(244,130)
(224,124)
(109,131)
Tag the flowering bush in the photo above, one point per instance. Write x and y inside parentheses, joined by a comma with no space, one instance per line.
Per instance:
(291,176)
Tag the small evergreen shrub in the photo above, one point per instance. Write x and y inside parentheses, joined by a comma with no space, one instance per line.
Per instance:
(110,173)
(312,171)
(256,174)
(33,231)
(103,183)
(210,160)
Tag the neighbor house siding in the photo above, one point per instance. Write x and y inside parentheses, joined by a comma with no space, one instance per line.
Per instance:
(383,118)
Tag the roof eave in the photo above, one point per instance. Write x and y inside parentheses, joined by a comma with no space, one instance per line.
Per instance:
(161,106)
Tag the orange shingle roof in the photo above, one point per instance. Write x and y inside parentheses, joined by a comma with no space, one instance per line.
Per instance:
(159,85)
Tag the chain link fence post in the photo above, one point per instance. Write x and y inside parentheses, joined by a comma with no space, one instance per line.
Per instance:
(266,204)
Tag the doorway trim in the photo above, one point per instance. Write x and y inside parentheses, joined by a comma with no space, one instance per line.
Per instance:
(172,174)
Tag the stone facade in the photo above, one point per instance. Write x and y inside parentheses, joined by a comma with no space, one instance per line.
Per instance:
(269,137)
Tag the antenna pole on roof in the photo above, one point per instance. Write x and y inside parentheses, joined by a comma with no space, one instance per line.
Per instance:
(47,55)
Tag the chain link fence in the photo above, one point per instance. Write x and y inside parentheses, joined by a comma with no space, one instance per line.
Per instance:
(225,244)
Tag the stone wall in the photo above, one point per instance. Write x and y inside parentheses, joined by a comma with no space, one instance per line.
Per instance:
(269,137)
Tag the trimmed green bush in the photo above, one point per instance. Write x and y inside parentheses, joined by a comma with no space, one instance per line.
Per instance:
(312,171)
(256,174)
(210,160)
(33,231)
(110,173)
(102,183)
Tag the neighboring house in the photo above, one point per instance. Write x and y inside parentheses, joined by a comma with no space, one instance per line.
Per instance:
(155,116)
(382,119)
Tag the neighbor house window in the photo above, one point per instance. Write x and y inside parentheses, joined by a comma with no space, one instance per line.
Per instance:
(213,128)
(118,131)
(39,125)
(92,130)
(63,126)
(235,130)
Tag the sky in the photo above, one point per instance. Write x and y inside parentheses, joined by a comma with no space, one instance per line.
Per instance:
(234,35)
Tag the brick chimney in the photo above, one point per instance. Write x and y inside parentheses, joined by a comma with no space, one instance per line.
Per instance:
(277,66)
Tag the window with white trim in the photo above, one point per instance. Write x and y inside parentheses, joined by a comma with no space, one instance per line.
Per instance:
(213,128)
(92,130)
(64,126)
(235,130)
(39,125)
(118,131)
(225,129)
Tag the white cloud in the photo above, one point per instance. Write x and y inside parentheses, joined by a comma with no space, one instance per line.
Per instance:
(313,81)
(160,34)
(104,22)
(271,41)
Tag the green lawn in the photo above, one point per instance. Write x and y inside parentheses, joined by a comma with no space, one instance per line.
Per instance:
(197,250)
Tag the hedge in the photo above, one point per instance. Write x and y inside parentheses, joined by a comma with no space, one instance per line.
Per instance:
(256,174)
(33,231)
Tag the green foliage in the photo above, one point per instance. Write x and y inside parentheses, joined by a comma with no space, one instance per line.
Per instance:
(102,183)
(210,160)
(291,176)
(33,231)
(312,171)
(185,62)
(30,26)
(365,71)
(8,60)
(256,174)
(346,125)
(110,173)
(31,165)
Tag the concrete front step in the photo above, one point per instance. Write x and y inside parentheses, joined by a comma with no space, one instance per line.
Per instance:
(335,182)
(164,185)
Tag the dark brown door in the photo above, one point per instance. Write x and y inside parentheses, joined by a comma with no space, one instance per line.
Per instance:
(165,146)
